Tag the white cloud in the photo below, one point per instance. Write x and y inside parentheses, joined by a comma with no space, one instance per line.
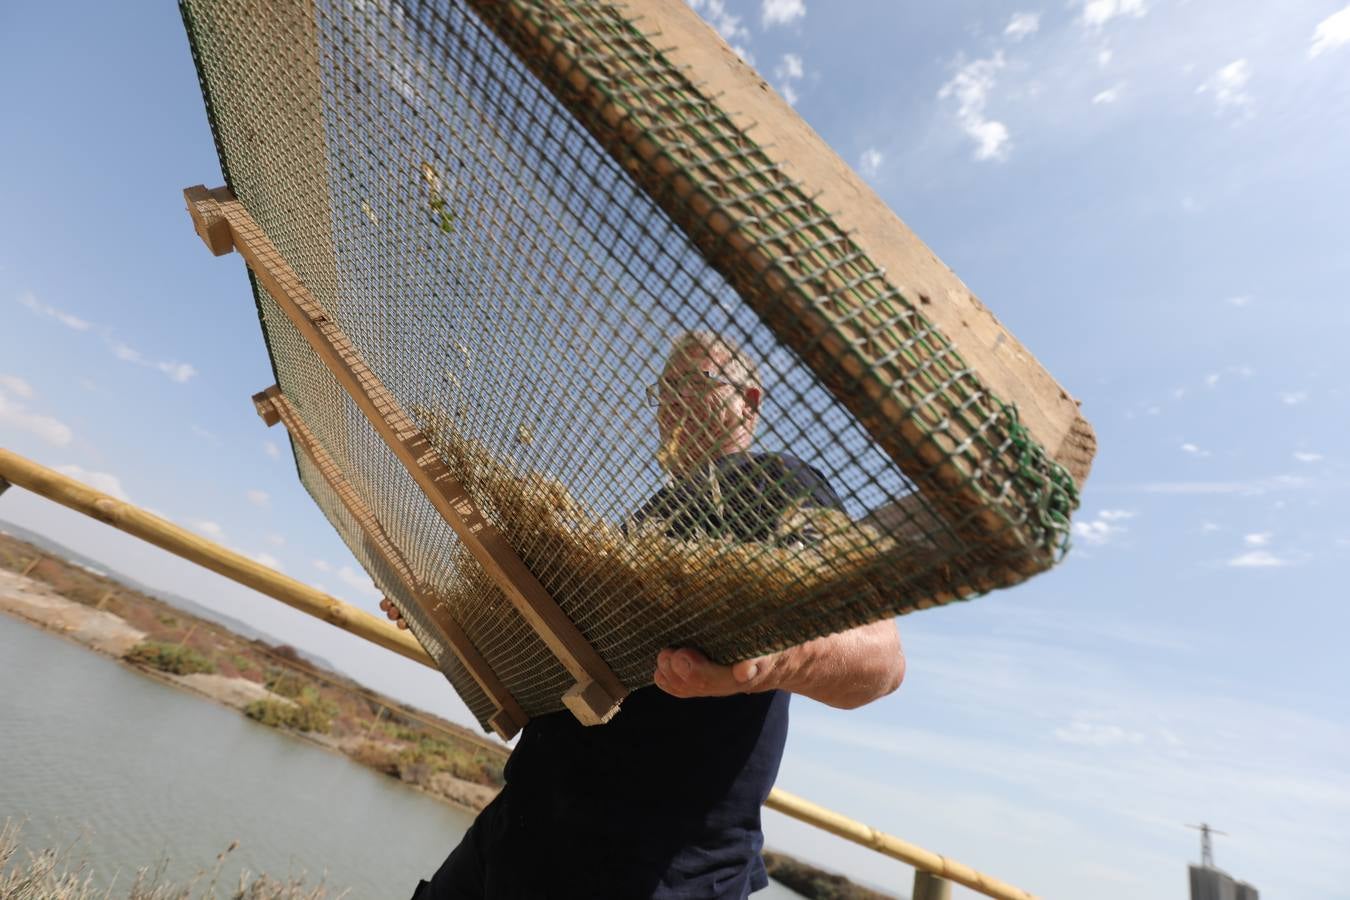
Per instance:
(789,70)
(1194,450)
(1257,559)
(1208,527)
(1211,379)
(1110,95)
(869,164)
(1097,13)
(100,481)
(1094,734)
(177,371)
(271,449)
(1258,539)
(1022,25)
(1306,457)
(1331,32)
(257,497)
(970,87)
(14,414)
(323,565)
(727,25)
(1228,87)
(1241,300)
(1293,398)
(1104,528)
(268,560)
(276,540)
(43,309)
(360,581)
(1104,57)
(16,386)
(1253,488)
(781,12)
(208,528)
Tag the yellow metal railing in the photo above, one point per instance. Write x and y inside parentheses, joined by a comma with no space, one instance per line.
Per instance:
(934,873)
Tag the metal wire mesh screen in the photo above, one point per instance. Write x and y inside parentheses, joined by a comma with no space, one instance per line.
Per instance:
(388,582)
(519,284)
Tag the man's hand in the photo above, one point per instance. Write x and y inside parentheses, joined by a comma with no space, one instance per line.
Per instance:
(688,673)
(843,670)
(392,612)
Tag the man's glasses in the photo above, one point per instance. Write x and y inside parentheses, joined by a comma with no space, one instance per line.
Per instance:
(690,384)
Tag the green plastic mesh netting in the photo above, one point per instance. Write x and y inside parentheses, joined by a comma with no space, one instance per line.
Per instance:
(514,210)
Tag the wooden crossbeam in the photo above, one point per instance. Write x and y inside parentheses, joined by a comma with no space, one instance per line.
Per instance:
(508,718)
(218,217)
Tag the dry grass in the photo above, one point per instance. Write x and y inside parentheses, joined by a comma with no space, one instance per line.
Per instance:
(730,598)
(51,874)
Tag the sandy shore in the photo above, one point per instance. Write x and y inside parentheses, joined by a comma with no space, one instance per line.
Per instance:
(34,601)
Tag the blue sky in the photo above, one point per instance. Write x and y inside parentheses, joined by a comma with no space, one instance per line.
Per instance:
(1151,195)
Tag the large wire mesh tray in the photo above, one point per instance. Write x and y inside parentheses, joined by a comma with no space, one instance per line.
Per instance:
(706,388)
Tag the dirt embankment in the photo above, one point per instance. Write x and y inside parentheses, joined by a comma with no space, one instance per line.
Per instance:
(102,631)
(95,628)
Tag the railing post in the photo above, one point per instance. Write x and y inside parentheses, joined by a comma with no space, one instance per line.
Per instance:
(928,886)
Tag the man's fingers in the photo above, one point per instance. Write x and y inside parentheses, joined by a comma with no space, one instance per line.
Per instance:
(392,613)
(687,673)
(746,670)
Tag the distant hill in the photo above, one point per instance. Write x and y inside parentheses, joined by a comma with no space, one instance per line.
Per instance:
(55,548)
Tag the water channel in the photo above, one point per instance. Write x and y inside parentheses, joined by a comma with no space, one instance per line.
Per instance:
(135,772)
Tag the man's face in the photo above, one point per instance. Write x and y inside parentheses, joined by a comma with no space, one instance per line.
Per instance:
(700,417)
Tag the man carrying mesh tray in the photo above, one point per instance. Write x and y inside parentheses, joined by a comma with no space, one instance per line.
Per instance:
(664,801)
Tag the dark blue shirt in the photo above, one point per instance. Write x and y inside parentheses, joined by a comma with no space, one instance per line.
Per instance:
(664,801)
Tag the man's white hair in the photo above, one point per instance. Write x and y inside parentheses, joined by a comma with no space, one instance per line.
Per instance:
(737,366)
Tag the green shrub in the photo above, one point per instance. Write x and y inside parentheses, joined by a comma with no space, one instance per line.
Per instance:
(378,757)
(400,732)
(431,755)
(296,716)
(284,683)
(173,658)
